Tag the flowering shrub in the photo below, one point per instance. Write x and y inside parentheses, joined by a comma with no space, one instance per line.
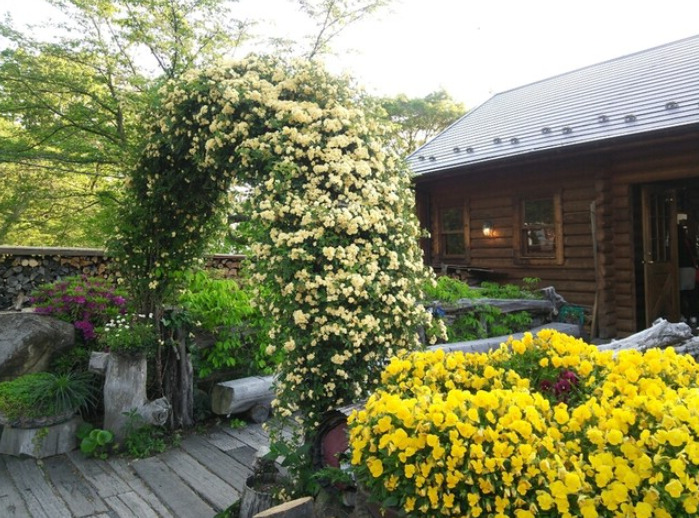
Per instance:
(544,426)
(85,302)
(129,335)
(332,228)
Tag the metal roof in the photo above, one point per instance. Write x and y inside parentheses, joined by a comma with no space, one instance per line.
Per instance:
(643,92)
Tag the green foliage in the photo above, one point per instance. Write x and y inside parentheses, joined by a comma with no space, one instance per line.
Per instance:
(143,440)
(494,290)
(485,321)
(73,359)
(85,302)
(237,424)
(450,290)
(130,335)
(95,442)
(296,460)
(45,394)
(418,120)
(73,97)
(447,289)
(224,308)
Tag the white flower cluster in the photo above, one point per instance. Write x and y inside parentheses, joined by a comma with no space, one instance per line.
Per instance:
(336,237)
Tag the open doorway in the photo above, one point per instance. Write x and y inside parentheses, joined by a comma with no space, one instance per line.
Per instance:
(668,221)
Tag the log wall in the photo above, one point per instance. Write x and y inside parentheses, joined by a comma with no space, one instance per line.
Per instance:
(493,196)
(22,269)
(605,276)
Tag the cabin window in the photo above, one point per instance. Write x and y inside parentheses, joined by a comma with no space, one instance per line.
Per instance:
(540,238)
(452,235)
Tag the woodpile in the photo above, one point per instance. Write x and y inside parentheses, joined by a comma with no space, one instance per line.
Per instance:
(21,274)
(22,269)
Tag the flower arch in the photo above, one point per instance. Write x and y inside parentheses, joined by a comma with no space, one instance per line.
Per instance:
(334,235)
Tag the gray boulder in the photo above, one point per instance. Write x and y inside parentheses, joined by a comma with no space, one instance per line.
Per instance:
(28,342)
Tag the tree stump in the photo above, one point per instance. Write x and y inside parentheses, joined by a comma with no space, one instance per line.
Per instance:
(125,392)
(257,495)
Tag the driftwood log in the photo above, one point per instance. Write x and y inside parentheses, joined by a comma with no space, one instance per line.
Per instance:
(661,334)
(487,344)
(253,395)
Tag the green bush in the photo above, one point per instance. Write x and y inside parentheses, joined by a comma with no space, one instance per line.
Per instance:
(484,320)
(129,335)
(451,290)
(223,308)
(45,394)
(447,289)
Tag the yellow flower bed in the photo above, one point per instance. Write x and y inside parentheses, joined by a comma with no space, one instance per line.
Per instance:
(545,426)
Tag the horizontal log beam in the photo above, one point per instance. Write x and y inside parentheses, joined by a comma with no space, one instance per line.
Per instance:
(235,396)
(488,344)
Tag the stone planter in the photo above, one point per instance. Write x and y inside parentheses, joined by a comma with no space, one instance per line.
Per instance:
(42,439)
(36,422)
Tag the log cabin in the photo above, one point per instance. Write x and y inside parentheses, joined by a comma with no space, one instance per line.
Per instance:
(585,180)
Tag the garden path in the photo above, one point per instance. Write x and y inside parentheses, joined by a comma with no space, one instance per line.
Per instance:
(205,474)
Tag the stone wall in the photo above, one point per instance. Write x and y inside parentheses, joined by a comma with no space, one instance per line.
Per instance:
(24,268)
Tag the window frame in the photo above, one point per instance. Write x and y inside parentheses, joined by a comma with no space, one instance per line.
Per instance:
(441,233)
(521,255)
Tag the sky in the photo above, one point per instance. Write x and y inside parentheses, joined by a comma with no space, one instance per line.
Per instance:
(471,48)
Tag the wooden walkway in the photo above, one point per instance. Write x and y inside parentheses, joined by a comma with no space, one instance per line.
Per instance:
(201,477)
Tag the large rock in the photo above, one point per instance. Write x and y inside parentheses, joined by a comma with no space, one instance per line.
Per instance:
(28,342)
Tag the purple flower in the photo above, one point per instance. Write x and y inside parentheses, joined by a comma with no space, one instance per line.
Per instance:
(546,386)
(87,329)
(562,388)
(569,376)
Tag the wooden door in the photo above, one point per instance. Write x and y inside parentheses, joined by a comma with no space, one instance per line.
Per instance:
(659,206)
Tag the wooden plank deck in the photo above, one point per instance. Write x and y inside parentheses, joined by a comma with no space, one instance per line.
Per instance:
(199,478)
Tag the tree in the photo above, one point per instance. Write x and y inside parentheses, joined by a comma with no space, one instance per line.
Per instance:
(73,104)
(332,17)
(417,120)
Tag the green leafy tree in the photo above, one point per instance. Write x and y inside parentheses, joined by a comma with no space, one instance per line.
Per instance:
(332,17)
(72,102)
(417,120)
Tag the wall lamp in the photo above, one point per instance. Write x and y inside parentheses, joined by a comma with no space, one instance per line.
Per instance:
(488,230)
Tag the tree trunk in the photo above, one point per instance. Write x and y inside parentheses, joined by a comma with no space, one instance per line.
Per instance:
(179,382)
(257,495)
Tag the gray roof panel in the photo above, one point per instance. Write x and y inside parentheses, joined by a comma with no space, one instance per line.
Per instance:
(643,92)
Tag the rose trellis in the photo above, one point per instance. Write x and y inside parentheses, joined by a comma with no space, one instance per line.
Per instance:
(334,238)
